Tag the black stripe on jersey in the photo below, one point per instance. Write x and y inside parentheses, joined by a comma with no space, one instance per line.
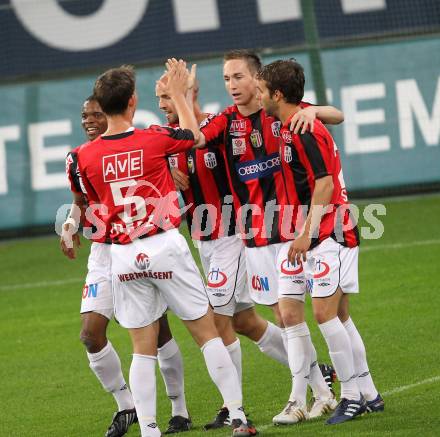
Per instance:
(257,124)
(338,233)
(267,183)
(239,187)
(118,136)
(299,173)
(73,171)
(187,200)
(222,183)
(204,220)
(313,154)
(355,230)
(179,134)
(339,223)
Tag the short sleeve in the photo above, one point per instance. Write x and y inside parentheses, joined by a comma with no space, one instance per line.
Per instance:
(213,128)
(174,140)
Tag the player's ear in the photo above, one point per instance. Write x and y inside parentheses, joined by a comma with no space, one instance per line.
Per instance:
(132,102)
(278,95)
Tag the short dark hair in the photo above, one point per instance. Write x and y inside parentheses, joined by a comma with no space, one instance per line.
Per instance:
(91,98)
(252,59)
(286,76)
(114,88)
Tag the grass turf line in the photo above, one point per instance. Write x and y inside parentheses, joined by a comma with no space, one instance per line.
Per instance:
(48,390)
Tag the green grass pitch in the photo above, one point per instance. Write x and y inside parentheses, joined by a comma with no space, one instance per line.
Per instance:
(48,390)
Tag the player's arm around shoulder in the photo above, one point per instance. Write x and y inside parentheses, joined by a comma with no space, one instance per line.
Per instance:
(304,119)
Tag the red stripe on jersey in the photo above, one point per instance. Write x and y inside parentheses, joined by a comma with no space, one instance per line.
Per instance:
(307,157)
(206,195)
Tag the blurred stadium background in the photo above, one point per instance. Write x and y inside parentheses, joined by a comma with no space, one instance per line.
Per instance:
(377,60)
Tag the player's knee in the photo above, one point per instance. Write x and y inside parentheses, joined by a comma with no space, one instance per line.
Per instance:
(241,326)
(92,341)
(277,315)
(290,318)
(321,315)
(246,322)
(343,314)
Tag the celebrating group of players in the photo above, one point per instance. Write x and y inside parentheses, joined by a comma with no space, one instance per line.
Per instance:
(266,203)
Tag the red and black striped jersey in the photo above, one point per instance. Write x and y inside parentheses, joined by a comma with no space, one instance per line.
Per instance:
(250,147)
(306,158)
(128,175)
(211,213)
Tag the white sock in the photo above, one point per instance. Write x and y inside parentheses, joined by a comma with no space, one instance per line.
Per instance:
(272,344)
(106,365)
(339,347)
(143,385)
(283,337)
(171,368)
(299,351)
(365,381)
(234,350)
(317,382)
(224,375)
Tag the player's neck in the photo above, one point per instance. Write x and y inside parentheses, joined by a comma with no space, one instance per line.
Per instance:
(252,107)
(285,111)
(118,124)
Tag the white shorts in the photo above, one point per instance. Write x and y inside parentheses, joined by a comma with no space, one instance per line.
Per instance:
(262,273)
(223,262)
(329,266)
(153,273)
(97,294)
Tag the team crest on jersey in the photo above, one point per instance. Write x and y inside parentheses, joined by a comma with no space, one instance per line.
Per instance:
(276,126)
(238,128)
(190,163)
(142,262)
(287,154)
(238,146)
(127,165)
(173,161)
(210,160)
(256,139)
(287,136)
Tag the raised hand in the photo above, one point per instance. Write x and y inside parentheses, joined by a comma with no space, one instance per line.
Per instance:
(177,76)
(192,78)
